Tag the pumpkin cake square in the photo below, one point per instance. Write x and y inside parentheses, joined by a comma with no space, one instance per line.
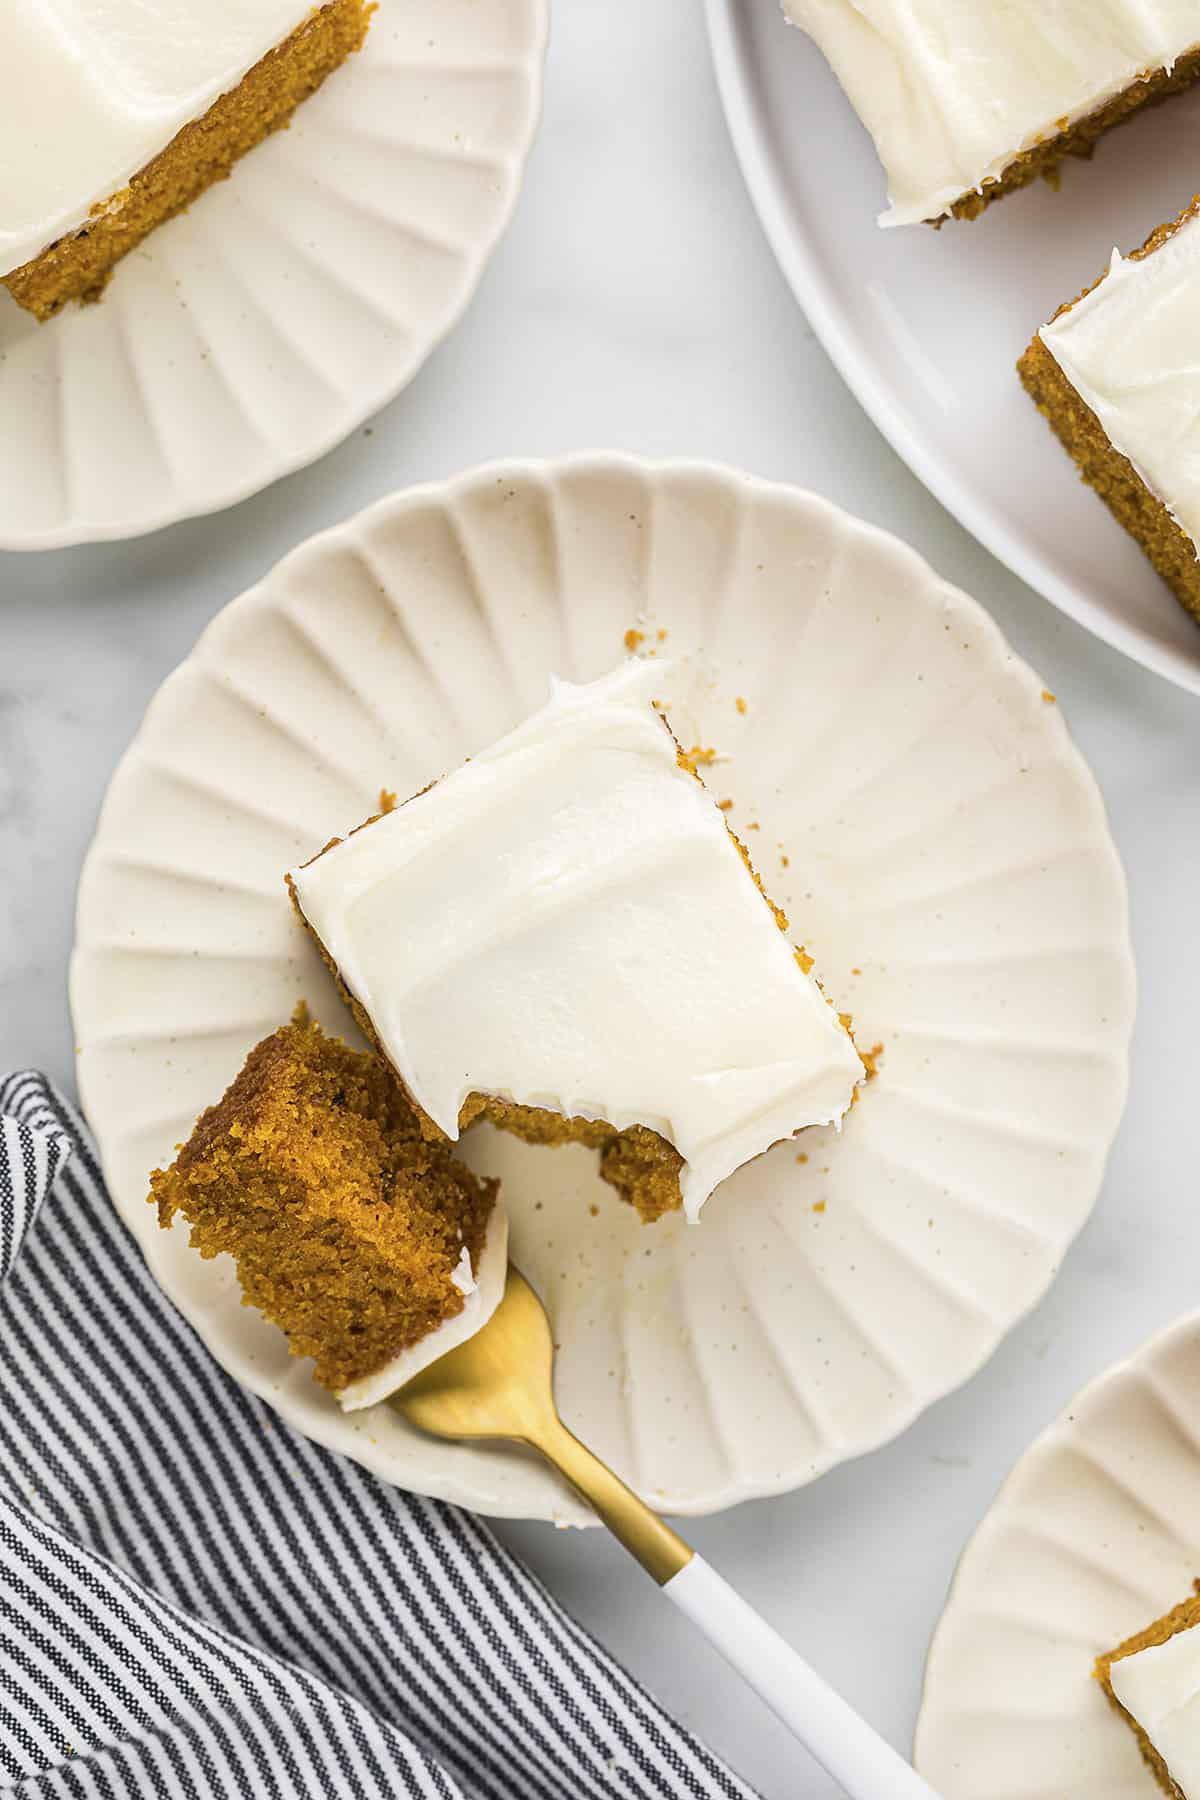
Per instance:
(1116,373)
(969,102)
(564,937)
(373,1249)
(1153,1680)
(114,116)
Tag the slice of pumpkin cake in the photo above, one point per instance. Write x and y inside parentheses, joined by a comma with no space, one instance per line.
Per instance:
(564,937)
(115,115)
(368,1244)
(1115,374)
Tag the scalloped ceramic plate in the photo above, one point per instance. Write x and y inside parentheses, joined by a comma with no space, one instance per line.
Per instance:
(948,864)
(926,327)
(252,334)
(1095,1533)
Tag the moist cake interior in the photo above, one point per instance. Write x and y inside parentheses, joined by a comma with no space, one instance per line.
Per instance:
(346,1221)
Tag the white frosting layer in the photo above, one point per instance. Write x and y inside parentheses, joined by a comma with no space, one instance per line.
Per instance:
(953,90)
(1131,349)
(565,922)
(1161,1688)
(92,90)
(483,1290)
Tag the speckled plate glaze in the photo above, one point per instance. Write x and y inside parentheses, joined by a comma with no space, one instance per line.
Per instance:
(1095,1533)
(912,799)
(252,334)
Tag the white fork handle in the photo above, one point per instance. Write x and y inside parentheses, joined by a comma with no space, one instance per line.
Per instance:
(845,1745)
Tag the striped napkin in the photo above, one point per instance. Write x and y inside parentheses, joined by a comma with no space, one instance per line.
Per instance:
(196,1602)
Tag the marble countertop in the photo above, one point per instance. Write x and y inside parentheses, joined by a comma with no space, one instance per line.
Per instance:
(635,305)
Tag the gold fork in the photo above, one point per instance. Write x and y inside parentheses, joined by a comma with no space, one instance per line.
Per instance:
(499,1384)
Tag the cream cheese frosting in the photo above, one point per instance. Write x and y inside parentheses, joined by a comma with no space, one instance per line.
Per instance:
(1160,1687)
(952,91)
(1131,350)
(565,922)
(482,1290)
(92,90)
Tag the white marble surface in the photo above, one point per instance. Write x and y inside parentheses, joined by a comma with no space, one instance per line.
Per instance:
(634,305)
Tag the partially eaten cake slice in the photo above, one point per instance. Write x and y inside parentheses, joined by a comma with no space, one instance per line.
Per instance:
(1153,1679)
(373,1249)
(1117,374)
(564,937)
(115,115)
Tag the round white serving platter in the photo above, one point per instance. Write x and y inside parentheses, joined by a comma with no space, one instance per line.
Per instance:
(1095,1533)
(947,862)
(250,335)
(926,326)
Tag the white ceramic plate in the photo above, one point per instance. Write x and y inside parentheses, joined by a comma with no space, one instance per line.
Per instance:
(1095,1533)
(949,867)
(252,334)
(926,326)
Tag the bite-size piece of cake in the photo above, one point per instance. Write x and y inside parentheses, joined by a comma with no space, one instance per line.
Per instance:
(371,1247)
(115,115)
(564,937)
(968,102)
(1153,1679)
(1117,374)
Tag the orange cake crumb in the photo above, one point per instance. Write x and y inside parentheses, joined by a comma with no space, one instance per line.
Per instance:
(345,1221)
(634,637)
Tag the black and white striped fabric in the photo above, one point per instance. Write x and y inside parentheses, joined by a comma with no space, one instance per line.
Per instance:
(195,1601)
